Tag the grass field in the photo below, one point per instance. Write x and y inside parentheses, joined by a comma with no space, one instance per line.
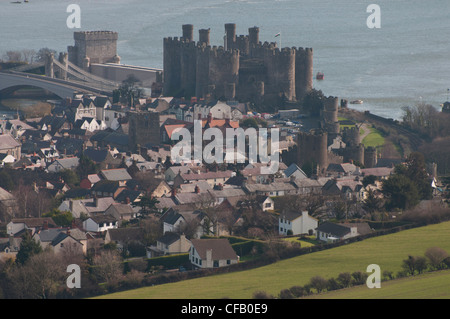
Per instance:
(374,138)
(387,251)
(433,285)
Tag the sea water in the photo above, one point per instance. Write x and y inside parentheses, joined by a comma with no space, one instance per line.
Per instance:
(404,62)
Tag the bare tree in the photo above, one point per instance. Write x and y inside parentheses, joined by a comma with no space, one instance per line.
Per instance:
(108,267)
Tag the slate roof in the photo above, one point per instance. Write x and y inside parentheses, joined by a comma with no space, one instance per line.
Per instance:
(334,229)
(8,142)
(116,174)
(169,238)
(126,234)
(221,248)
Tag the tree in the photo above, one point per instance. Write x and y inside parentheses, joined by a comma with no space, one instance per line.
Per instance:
(344,279)
(147,204)
(129,91)
(415,170)
(107,267)
(372,203)
(400,192)
(86,166)
(63,219)
(28,247)
(436,257)
(414,263)
(42,54)
(369,180)
(319,283)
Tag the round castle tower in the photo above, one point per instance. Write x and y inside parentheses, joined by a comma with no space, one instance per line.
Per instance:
(312,148)
(303,72)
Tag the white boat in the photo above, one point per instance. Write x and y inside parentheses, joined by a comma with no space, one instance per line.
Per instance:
(356,102)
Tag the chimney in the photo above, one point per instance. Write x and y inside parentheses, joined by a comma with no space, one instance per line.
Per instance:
(197,189)
(71,205)
(209,257)
(127,200)
(209,117)
(45,227)
(96,201)
(174,192)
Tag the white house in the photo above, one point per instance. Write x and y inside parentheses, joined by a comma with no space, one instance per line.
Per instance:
(212,253)
(297,223)
(330,232)
(100,223)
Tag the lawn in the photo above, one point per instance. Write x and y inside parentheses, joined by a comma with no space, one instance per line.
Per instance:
(303,243)
(387,251)
(432,285)
(374,138)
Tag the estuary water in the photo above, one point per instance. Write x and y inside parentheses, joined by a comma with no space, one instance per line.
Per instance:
(404,62)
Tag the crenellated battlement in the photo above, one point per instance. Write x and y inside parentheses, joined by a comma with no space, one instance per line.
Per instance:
(280,71)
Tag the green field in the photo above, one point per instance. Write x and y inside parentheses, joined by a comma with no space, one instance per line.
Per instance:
(387,251)
(374,138)
(432,285)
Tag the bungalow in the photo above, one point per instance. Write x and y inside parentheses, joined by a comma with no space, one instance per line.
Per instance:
(212,253)
(296,223)
(330,232)
(61,164)
(100,223)
(170,243)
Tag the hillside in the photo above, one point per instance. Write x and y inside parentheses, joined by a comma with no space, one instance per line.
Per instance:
(433,285)
(386,251)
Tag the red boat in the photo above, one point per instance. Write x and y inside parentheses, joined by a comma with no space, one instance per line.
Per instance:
(319,76)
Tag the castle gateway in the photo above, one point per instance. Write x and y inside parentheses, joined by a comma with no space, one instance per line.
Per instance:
(242,69)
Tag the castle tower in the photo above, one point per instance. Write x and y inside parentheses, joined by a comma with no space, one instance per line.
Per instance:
(280,67)
(143,129)
(204,36)
(97,46)
(329,115)
(202,71)
(312,149)
(171,65)
(351,136)
(223,69)
(253,35)
(230,36)
(188,32)
(188,68)
(370,157)
(303,72)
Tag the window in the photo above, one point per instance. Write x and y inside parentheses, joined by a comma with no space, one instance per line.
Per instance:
(216,263)
(228,261)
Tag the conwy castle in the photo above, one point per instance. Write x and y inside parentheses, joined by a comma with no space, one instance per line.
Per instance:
(243,68)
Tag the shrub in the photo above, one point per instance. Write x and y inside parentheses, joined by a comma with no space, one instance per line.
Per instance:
(359,278)
(333,284)
(262,295)
(298,291)
(436,257)
(319,283)
(344,279)
(286,294)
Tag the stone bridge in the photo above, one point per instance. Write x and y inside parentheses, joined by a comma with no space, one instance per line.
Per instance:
(11,81)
